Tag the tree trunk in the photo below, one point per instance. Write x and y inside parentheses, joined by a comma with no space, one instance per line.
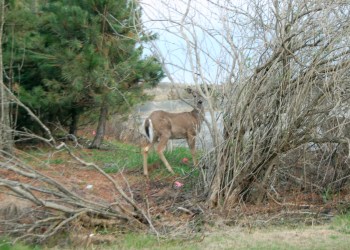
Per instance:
(6,141)
(100,132)
(74,122)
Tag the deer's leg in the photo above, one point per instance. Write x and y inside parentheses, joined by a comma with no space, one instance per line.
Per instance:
(191,141)
(145,150)
(160,150)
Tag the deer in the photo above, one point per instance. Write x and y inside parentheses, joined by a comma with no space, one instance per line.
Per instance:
(161,126)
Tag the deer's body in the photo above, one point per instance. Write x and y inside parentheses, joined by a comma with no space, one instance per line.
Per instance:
(179,125)
(161,126)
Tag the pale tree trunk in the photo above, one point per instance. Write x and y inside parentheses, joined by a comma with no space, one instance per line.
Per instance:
(100,132)
(6,141)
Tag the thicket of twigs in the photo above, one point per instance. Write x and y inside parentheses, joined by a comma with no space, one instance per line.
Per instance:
(279,71)
(291,110)
(53,207)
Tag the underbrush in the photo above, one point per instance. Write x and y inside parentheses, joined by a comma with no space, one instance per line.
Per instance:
(173,210)
(114,157)
(329,236)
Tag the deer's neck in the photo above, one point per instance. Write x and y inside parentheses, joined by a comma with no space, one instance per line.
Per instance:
(198,114)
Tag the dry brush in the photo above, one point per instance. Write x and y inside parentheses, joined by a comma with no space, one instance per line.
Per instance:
(295,98)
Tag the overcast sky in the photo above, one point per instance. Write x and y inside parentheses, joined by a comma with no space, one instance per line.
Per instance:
(202,24)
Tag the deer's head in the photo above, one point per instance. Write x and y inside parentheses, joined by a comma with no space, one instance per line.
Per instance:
(197,98)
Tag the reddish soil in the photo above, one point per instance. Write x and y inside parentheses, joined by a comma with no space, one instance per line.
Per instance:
(89,183)
(162,199)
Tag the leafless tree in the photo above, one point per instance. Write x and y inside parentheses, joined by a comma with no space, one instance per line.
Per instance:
(281,71)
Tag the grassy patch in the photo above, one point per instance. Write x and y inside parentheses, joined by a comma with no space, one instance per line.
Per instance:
(341,223)
(115,157)
(57,161)
(124,156)
(119,156)
(237,238)
(319,238)
(175,159)
(6,245)
(146,241)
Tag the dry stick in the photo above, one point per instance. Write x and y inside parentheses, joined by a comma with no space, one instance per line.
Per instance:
(39,176)
(44,236)
(24,191)
(52,140)
(61,224)
(117,187)
(43,221)
(128,185)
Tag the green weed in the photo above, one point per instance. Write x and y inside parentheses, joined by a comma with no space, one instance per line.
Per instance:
(327,195)
(6,245)
(341,223)
(124,156)
(57,161)
(119,156)
(146,241)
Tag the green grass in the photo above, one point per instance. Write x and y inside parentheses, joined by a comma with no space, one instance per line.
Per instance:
(140,241)
(124,156)
(6,245)
(56,161)
(174,158)
(341,223)
(115,157)
(320,238)
(275,238)
(119,156)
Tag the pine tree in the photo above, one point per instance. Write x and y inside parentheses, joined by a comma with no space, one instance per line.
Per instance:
(81,56)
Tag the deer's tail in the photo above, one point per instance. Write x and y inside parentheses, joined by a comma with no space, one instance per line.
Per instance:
(149,129)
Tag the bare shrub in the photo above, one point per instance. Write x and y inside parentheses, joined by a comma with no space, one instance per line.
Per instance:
(283,71)
(297,89)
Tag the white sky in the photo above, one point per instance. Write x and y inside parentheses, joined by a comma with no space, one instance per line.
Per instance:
(164,17)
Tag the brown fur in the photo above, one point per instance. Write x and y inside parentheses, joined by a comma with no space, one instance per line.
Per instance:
(168,125)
